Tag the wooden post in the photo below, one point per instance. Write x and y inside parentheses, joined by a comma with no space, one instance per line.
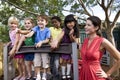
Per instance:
(5,63)
(8,66)
(75,61)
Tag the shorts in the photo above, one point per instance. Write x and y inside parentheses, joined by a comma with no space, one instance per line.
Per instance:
(19,56)
(29,56)
(66,56)
(41,59)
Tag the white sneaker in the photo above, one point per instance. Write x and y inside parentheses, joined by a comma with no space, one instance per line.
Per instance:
(44,76)
(63,77)
(68,76)
(38,77)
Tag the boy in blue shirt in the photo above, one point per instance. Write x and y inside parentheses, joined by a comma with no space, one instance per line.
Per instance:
(42,36)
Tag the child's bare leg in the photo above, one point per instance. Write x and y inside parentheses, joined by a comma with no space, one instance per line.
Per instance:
(20,43)
(29,68)
(19,67)
(23,69)
(44,73)
(37,69)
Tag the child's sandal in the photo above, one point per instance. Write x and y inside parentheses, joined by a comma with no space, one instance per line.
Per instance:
(28,78)
(17,78)
(23,78)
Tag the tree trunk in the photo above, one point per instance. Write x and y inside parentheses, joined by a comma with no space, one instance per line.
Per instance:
(110,36)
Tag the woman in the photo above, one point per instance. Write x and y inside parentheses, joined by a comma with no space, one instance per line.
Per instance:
(92,50)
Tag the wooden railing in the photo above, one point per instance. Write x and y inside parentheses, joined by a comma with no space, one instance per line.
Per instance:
(9,71)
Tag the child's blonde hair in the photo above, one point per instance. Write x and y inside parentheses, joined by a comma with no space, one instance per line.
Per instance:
(31,20)
(13,19)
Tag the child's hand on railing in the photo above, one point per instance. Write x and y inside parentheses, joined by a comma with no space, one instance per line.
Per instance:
(54,44)
(12,52)
(39,44)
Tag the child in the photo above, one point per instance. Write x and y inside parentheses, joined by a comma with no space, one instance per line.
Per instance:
(42,36)
(54,58)
(29,23)
(14,37)
(69,34)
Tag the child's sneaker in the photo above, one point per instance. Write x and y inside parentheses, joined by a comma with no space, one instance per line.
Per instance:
(69,77)
(63,77)
(38,77)
(44,76)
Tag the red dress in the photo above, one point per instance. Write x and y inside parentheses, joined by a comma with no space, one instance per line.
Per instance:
(91,56)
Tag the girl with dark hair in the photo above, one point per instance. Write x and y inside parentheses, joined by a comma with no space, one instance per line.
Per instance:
(55,58)
(92,50)
(69,34)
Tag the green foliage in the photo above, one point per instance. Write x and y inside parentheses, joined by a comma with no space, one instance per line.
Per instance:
(4,33)
(32,8)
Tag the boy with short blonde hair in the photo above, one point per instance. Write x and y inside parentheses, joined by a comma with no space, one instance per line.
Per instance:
(42,36)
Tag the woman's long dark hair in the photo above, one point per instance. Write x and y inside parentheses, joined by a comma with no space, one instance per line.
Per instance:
(97,23)
(70,18)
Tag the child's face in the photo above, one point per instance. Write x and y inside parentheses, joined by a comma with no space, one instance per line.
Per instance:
(55,23)
(41,22)
(13,26)
(28,25)
(71,24)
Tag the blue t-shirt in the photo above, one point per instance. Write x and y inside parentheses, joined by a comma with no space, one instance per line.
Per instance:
(41,35)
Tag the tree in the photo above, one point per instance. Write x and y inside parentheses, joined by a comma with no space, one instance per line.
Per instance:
(24,8)
(28,8)
(3,34)
(84,7)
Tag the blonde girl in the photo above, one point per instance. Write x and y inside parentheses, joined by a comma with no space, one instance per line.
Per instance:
(14,37)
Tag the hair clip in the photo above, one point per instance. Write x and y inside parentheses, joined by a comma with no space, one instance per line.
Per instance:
(75,17)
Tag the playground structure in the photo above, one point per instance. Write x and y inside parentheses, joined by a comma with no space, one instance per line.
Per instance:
(9,70)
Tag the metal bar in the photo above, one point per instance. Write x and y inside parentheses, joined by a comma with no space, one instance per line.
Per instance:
(75,61)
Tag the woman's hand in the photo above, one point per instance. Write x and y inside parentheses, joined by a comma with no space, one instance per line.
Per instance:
(101,74)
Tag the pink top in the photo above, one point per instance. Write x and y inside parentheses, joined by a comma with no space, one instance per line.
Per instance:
(12,35)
